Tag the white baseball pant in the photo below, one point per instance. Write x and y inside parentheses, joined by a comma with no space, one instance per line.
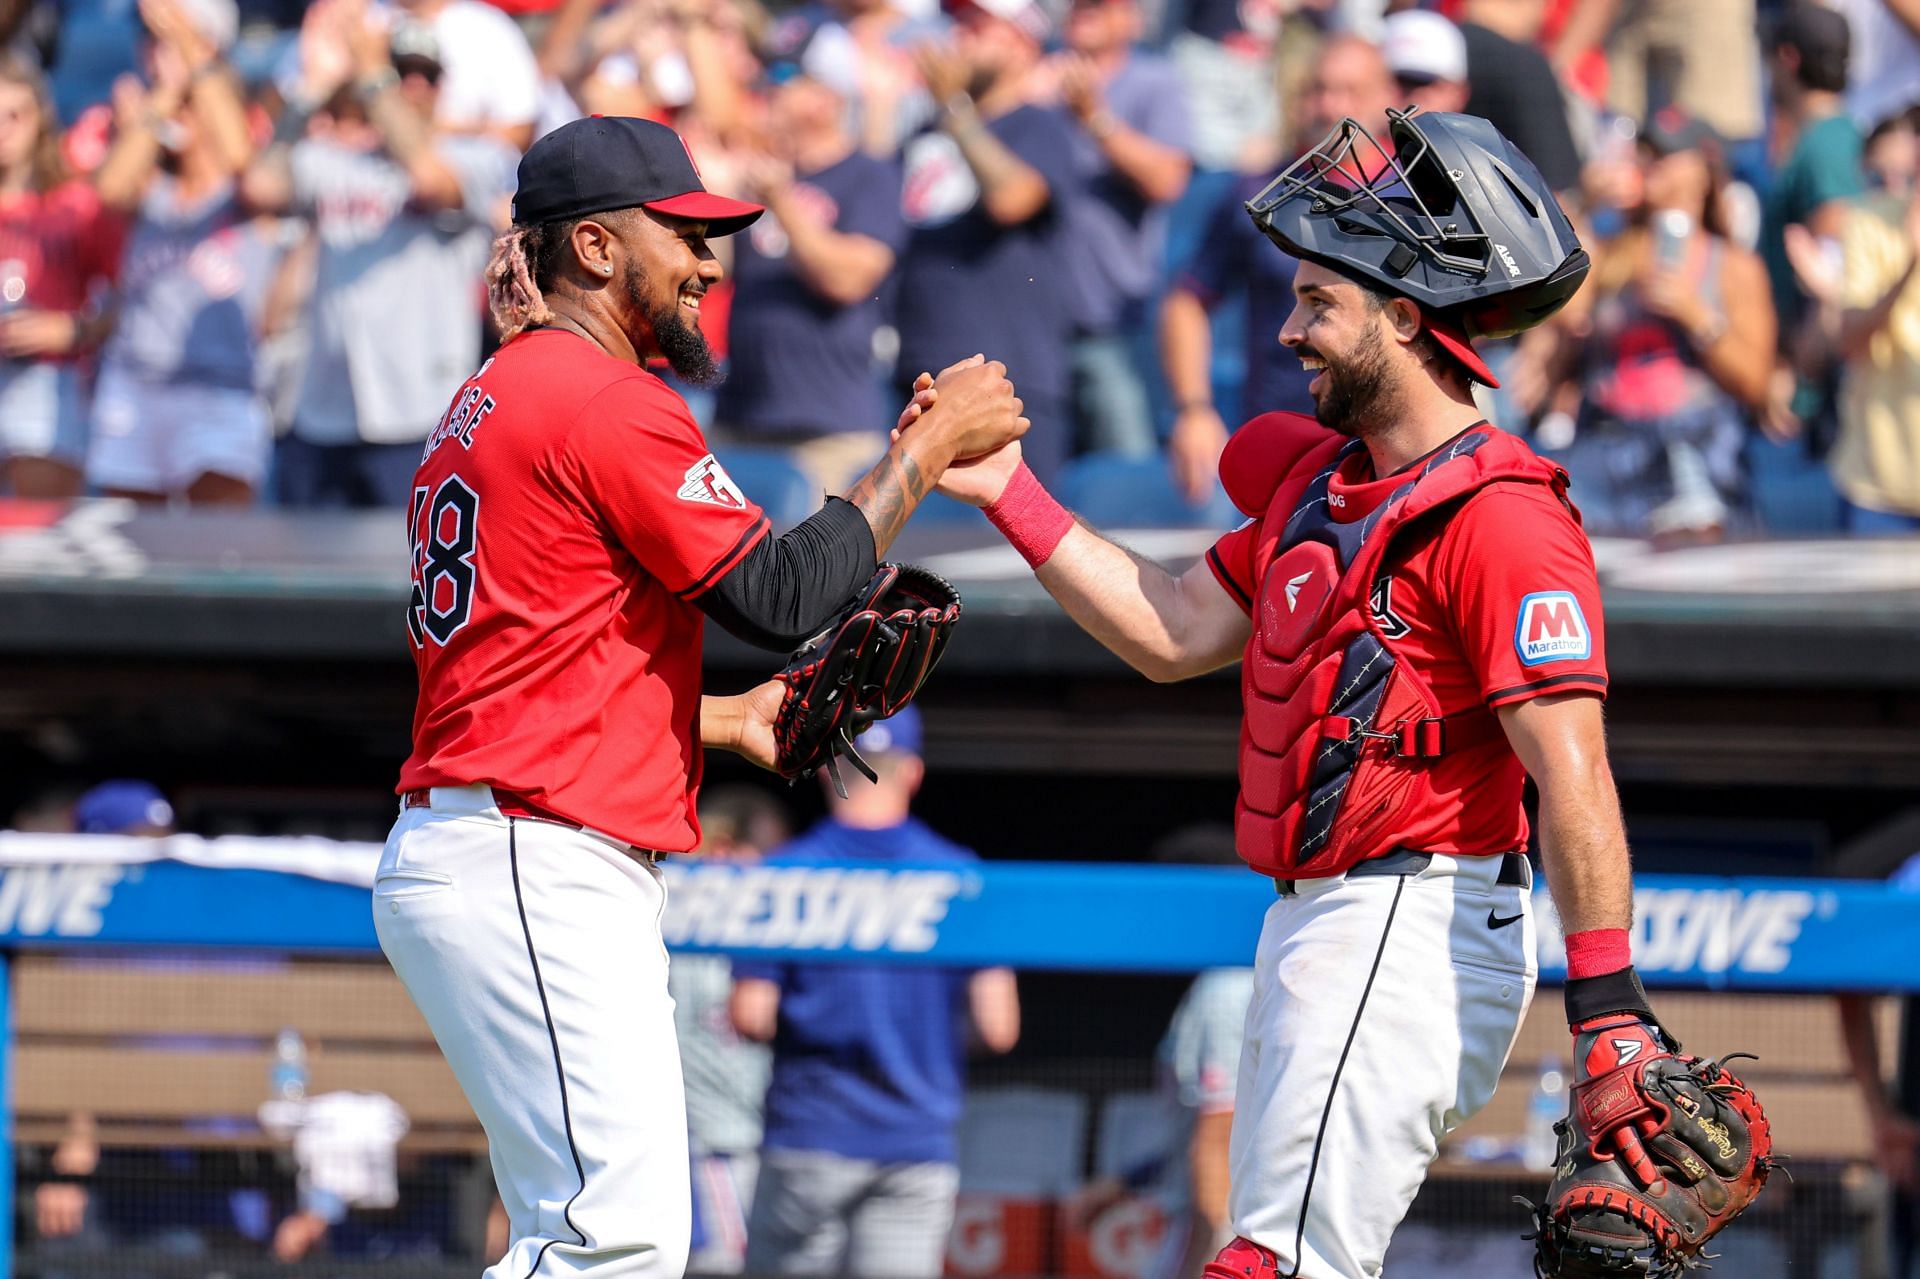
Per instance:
(534,952)
(1384,1007)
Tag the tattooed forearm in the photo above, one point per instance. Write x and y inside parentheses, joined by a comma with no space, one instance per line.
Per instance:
(889,492)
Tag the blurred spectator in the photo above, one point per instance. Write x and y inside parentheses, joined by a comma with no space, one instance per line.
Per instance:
(985,194)
(1131,162)
(1677,351)
(344,1146)
(30,29)
(858,1173)
(63,1201)
(1883,78)
(175,411)
(880,36)
(404,217)
(1349,78)
(59,247)
(725,1073)
(123,807)
(1698,55)
(1876,459)
(808,279)
(1223,51)
(1821,172)
(1514,86)
(1893,1115)
(1890,157)
(1428,58)
(1200,1065)
(488,82)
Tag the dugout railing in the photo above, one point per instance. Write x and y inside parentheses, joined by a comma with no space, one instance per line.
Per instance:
(146,983)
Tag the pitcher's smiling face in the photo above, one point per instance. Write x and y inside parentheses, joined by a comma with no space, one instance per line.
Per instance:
(666,273)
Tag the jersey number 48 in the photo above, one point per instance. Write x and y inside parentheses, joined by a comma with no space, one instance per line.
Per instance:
(445,529)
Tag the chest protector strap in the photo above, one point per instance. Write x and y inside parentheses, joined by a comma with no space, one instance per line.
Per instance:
(1340,731)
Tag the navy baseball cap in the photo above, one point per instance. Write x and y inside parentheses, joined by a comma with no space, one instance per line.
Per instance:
(900,732)
(617,162)
(117,807)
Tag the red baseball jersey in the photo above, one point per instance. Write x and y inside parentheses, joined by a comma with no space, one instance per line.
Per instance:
(566,515)
(1496,603)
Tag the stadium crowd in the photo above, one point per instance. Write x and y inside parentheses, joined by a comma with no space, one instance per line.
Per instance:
(241,241)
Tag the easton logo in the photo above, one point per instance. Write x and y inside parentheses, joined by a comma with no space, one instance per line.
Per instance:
(1627,1049)
(1513,268)
(1293,589)
(1551,628)
(707,481)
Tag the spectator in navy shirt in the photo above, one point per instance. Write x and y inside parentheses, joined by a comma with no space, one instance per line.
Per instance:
(985,193)
(807,281)
(857,1169)
(1131,159)
(1349,79)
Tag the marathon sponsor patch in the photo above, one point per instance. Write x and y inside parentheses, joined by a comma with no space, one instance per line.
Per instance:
(1551,628)
(707,481)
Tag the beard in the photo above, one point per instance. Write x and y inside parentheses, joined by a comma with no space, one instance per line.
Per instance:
(683,345)
(1356,386)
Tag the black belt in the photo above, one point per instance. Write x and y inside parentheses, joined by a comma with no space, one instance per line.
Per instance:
(1404,861)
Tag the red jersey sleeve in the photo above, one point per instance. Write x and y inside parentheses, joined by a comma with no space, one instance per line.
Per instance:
(1518,582)
(1231,559)
(103,238)
(638,455)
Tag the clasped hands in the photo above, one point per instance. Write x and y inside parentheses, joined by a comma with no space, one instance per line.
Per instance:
(981,414)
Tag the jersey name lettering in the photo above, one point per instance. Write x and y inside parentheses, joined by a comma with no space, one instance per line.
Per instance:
(469,408)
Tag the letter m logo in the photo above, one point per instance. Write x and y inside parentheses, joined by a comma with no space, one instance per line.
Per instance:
(1551,628)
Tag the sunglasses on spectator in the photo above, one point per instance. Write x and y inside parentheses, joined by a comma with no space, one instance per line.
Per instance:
(1411,80)
(425,69)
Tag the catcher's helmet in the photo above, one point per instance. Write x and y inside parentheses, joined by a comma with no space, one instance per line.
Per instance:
(1453,217)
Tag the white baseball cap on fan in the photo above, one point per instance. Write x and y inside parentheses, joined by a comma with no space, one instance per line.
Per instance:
(1421,44)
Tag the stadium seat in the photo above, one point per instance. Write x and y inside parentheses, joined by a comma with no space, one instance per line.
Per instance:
(1136,1129)
(1130,492)
(770,478)
(1792,492)
(1023,1142)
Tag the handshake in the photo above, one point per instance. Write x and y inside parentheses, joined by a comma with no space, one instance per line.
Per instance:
(964,428)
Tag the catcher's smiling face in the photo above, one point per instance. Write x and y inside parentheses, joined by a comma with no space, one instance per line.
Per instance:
(1350,338)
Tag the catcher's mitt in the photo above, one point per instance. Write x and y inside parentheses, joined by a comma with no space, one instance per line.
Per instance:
(1660,1152)
(866,664)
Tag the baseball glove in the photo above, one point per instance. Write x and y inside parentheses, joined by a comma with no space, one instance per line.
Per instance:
(868,663)
(1660,1152)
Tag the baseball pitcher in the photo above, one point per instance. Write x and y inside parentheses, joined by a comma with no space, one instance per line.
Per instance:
(571,534)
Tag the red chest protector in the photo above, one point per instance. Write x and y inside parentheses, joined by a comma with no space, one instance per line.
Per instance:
(1340,732)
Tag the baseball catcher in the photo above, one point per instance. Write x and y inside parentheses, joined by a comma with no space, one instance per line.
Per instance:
(1660,1152)
(1418,621)
(865,665)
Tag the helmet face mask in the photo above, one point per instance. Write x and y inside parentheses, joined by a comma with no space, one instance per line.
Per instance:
(1452,216)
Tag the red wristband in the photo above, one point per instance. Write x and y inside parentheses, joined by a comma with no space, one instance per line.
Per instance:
(1028,517)
(1597,952)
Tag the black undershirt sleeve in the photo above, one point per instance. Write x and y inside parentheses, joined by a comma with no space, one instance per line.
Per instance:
(785,588)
